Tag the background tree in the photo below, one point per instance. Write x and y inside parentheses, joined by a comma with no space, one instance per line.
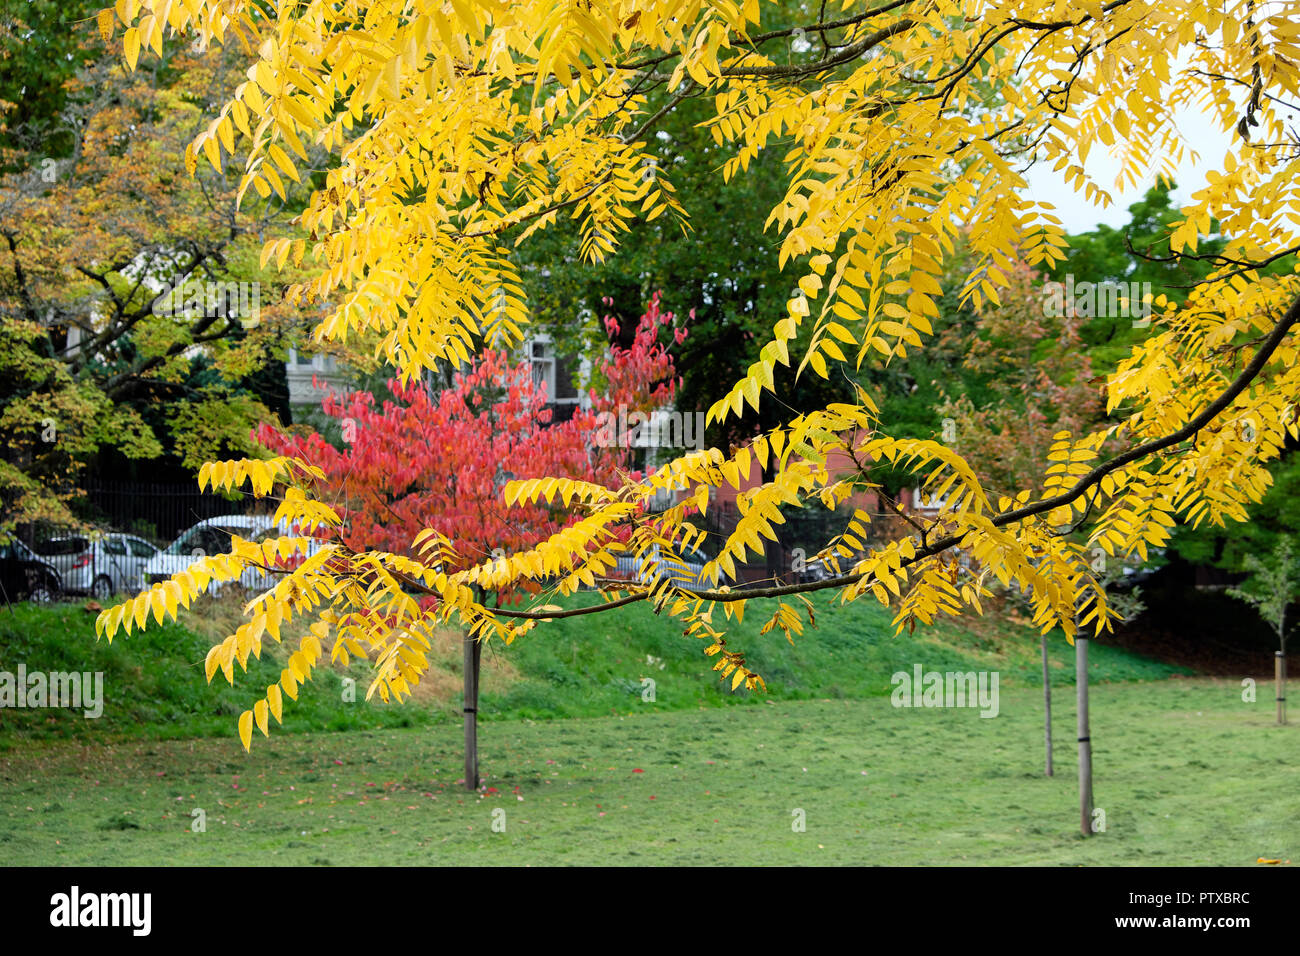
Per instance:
(732,286)
(1139,252)
(43,43)
(99,222)
(53,424)
(1271,588)
(1028,366)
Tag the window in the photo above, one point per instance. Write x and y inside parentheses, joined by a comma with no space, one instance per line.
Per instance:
(216,540)
(184,544)
(543,361)
(206,540)
(926,502)
(303,361)
(115,547)
(553,373)
(565,389)
(141,549)
(62,546)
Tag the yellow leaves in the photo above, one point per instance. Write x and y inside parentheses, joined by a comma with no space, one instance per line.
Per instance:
(433,160)
(946,469)
(130,46)
(212,663)
(299,667)
(841,333)
(211,149)
(810,285)
(787,618)
(246,729)
(275,702)
(547,489)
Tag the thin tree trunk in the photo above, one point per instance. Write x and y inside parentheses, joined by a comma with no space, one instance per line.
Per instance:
(473,653)
(1279,666)
(1047,707)
(1279,681)
(1085,740)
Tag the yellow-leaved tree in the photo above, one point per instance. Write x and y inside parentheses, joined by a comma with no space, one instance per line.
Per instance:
(462,127)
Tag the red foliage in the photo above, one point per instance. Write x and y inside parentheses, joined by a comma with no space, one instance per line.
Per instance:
(440,460)
(642,377)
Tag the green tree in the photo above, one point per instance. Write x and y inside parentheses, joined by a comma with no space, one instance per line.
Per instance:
(1271,587)
(43,43)
(139,323)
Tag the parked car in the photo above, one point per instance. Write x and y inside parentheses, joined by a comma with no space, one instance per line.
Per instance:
(213,537)
(25,576)
(816,569)
(203,539)
(100,565)
(256,579)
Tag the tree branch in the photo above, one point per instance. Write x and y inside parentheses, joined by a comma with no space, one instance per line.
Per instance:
(1094,477)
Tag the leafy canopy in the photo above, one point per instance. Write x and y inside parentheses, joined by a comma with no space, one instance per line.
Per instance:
(465,127)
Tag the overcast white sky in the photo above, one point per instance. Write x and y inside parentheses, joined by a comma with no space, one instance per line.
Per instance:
(1079,215)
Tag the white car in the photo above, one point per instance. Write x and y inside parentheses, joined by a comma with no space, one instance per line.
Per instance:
(686,573)
(256,579)
(206,538)
(100,565)
(213,537)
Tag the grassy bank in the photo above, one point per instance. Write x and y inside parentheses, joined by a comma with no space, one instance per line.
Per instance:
(576,667)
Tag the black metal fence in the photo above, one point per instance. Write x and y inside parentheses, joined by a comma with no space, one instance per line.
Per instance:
(124,525)
(157,512)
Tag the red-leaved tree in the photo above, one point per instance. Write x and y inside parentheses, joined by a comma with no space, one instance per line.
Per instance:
(426,459)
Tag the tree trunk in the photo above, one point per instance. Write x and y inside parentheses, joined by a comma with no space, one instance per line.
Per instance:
(1279,681)
(473,653)
(1047,708)
(1085,741)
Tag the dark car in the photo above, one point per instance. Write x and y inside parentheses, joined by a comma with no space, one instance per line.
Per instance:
(24,576)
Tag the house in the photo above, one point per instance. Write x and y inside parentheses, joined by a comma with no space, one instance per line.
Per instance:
(311,376)
(305,395)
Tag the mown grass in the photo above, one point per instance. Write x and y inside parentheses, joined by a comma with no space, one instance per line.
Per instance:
(1186,772)
(577,667)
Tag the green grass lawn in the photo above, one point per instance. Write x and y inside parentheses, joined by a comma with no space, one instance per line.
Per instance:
(586,771)
(1186,772)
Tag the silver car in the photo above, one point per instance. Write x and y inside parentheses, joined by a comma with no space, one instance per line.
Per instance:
(212,537)
(208,537)
(99,564)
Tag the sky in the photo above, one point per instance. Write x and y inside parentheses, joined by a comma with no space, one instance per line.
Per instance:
(1079,215)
